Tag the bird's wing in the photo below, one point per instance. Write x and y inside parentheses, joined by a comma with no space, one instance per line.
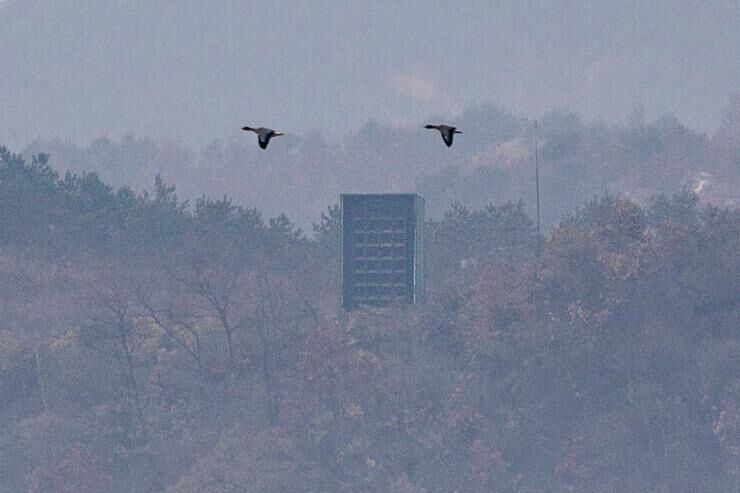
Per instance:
(447,135)
(264,137)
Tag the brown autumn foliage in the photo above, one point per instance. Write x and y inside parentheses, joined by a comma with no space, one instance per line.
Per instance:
(147,346)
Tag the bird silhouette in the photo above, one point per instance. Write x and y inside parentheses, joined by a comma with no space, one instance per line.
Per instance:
(447,132)
(263,135)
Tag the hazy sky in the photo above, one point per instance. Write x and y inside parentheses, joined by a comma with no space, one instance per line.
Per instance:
(195,70)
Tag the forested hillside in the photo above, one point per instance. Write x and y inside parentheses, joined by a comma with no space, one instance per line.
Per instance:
(492,161)
(151,344)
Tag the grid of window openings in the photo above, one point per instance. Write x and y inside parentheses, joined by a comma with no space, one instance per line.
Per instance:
(382,255)
(379,242)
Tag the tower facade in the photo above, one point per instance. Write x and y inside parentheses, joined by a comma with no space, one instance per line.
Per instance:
(382,249)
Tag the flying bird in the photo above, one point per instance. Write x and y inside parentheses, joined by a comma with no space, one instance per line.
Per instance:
(447,132)
(263,135)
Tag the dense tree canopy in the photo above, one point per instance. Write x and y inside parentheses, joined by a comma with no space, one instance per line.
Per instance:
(492,160)
(151,344)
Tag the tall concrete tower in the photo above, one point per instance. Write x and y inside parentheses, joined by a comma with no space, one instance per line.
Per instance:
(382,249)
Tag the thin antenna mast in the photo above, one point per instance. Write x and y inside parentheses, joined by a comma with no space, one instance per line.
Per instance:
(537,181)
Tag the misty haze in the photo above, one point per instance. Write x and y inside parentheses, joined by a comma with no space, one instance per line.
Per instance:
(173,290)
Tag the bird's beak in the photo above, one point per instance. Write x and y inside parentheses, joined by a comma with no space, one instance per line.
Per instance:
(278,134)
